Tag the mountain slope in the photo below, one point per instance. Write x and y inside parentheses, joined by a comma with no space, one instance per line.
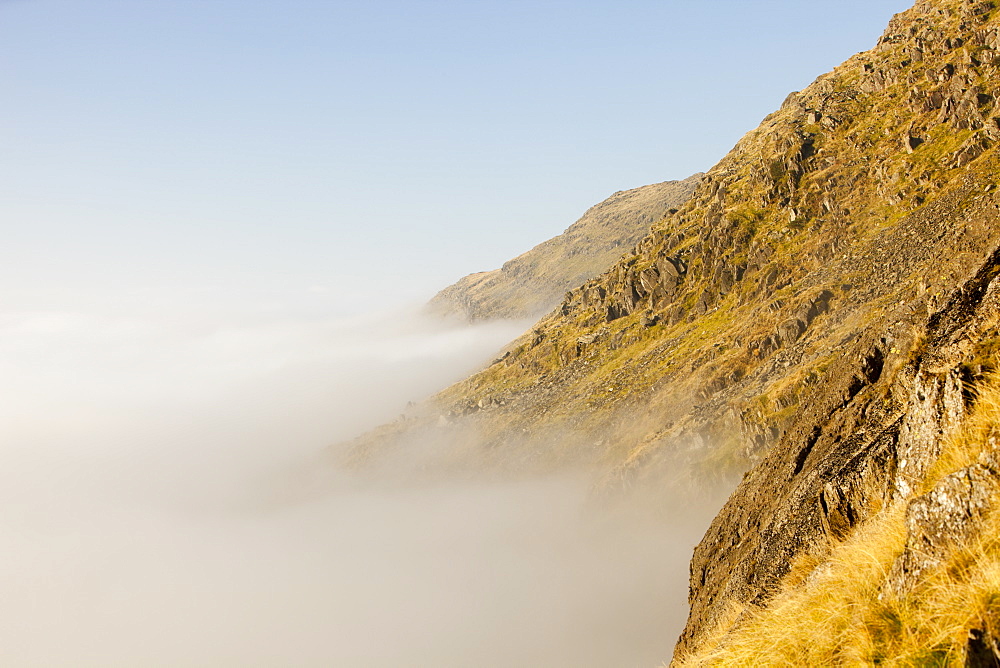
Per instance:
(816,228)
(820,310)
(535,281)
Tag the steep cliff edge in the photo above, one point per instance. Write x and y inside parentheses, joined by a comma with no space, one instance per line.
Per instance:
(819,310)
(534,282)
(867,450)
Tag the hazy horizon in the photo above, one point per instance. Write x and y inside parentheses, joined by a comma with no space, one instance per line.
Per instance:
(221,221)
(155,514)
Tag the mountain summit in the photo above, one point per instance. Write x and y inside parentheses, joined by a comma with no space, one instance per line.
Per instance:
(534,282)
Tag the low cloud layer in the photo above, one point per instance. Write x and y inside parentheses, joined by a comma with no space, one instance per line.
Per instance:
(137,448)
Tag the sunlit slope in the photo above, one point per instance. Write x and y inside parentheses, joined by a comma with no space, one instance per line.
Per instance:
(534,282)
(858,205)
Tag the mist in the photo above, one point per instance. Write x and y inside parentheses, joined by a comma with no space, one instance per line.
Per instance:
(140,440)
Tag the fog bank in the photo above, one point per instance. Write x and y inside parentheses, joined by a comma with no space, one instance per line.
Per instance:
(138,444)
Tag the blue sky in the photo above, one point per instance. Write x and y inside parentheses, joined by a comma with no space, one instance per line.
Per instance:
(348,151)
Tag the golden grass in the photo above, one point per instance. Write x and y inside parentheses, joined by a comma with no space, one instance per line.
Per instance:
(832,611)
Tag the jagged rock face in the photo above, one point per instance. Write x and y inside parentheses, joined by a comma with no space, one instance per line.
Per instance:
(867,441)
(534,282)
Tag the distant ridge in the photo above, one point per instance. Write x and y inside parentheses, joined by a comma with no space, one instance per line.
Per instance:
(535,282)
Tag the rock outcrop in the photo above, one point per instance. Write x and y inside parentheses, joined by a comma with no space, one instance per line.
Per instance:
(947,516)
(534,282)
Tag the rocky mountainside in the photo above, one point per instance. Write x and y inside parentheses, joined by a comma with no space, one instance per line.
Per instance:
(819,314)
(534,282)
